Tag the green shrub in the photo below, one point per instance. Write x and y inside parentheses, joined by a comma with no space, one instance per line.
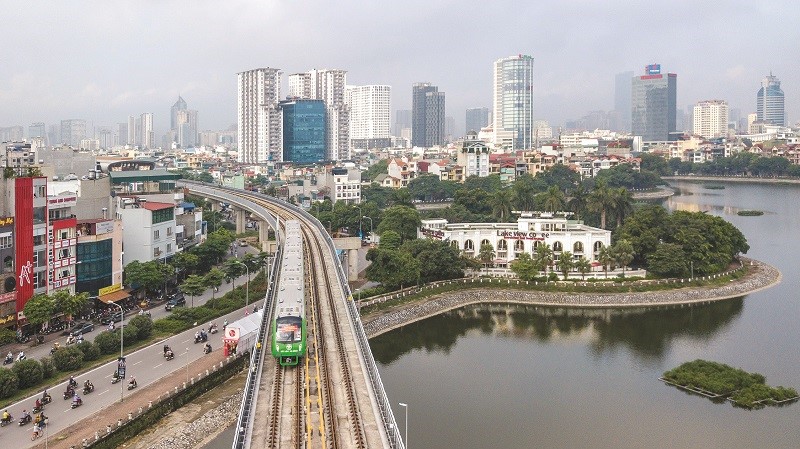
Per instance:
(108,342)
(6,336)
(130,334)
(8,383)
(90,351)
(374,291)
(28,371)
(68,359)
(48,369)
(144,324)
(169,326)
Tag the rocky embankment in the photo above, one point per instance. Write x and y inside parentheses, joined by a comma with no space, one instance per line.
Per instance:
(759,276)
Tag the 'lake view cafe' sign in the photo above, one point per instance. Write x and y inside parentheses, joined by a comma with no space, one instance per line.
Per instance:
(508,235)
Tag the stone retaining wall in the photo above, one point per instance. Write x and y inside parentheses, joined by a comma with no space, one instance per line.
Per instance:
(760,276)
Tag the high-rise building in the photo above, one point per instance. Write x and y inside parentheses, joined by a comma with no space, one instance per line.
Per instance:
(329,86)
(122,133)
(622,101)
(770,107)
(427,115)
(653,104)
(402,120)
(369,116)
(37,130)
(710,119)
(449,128)
(147,138)
(186,131)
(513,100)
(303,130)
(132,130)
(477,118)
(73,131)
(259,117)
(179,105)
(300,86)
(105,136)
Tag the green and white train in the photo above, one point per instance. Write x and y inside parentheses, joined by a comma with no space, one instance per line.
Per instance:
(289,324)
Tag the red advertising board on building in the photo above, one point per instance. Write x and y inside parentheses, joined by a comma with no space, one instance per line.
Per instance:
(23,242)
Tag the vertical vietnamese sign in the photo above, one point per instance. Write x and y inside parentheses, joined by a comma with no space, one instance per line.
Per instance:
(23,211)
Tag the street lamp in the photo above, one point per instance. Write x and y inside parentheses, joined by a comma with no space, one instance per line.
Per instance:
(360,216)
(247,286)
(121,331)
(405,438)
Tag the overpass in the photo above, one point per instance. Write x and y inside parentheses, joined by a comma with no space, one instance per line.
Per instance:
(336,397)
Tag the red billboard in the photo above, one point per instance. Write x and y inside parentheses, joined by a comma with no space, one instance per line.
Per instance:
(23,242)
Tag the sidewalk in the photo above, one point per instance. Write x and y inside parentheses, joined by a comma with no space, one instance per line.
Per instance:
(137,399)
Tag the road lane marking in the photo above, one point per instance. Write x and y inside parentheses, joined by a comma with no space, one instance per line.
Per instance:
(104,392)
(158,365)
(140,361)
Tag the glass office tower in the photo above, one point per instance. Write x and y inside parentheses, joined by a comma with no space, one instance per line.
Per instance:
(303,130)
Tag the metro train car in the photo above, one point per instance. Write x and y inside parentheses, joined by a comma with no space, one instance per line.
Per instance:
(289,324)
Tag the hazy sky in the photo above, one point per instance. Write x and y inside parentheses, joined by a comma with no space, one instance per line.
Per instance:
(105,60)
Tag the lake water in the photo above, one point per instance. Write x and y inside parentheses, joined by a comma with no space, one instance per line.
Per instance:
(530,377)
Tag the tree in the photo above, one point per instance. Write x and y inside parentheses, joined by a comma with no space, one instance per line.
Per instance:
(577,201)
(392,268)
(501,204)
(374,170)
(9,383)
(28,371)
(543,256)
(143,325)
(553,199)
(559,175)
(232,269)
(69,304)
(438,260)
(583,266)
(601,200)
(90,350)
(213,279)
(622,204)
(668,260)
(401,219)
(108,342)
(150,275)
(193,285)
(605,257)
(622,252)
(486,254)
(524,191)
(524,267)
(565,263)
(185,262)
(401,197)
(67,359)
(38,310)
(390,240)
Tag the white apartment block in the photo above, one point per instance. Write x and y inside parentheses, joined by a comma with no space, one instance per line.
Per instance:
(344,184)
(258,117)
(474,156)
(147,138)
(369,112)
(149,230)
(300,85)
(330,87)
(710,119)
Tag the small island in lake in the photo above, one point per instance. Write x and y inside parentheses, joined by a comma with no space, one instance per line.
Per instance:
(713,187)
(750,213)
(720,381)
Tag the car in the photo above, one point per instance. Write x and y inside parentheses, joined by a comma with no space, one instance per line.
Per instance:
(82,328)
(177,300)
(115,317)
(242,243)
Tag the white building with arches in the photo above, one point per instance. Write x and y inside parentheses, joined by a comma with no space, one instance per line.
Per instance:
(531,230)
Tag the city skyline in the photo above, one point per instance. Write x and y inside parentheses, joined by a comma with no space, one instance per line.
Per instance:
(574,72)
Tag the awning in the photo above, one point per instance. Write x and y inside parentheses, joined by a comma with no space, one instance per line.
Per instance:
(115,296)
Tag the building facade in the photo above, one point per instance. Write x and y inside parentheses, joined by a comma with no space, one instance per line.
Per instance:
(710,119)
(148,229)
(369,116)
(99,254)
(474,156)
(513,99)
(303,130)
(476,119)
(427,115)
(73,131)
(258,116)
(179,105)
(770,107)
(622,101)
(508,240)
(653,104)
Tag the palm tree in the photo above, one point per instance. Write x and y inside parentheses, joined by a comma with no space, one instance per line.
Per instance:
(501,204)
(578,200)
(486,254)
(584,266)
(565,263)
(544,257)
(553,199)
(623,203)
(601,200)
(623,254)
(605,257)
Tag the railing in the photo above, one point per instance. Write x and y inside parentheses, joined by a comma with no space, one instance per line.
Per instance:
(244,424)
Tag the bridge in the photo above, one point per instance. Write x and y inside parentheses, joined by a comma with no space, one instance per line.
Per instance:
(334,397)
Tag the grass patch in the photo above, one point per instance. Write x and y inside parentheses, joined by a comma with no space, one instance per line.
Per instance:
(713,379)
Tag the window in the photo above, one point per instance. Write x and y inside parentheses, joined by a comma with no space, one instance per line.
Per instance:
(557,247)
(519,246)
(469,246)
(38,240)
(169,247)
(6,240)
(169,231)
(64,234)
(598,246)
(485,242)
(577,247)
(156,234)
(502,245)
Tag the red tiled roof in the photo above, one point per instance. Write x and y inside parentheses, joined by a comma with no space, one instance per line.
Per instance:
(156,206)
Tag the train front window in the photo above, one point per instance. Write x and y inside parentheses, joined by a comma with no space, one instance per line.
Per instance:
(289,330)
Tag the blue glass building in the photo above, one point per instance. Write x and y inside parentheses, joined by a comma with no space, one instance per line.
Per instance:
(303,130)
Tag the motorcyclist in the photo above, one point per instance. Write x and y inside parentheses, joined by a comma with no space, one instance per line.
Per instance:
(197,336)
(25,416)
(133,383)
(88,385)
(70,339)
(72,382)
(9,357)
(45,395)
(38,404)
(207,348)
(21,356)
(76,400)
(6,416)
(166,348)
(39,420)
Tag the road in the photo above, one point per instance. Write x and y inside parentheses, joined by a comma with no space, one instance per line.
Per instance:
(147,365)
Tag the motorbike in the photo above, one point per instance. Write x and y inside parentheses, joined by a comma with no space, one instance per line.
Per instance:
(37,410)
(202,338)
(8,360)
(132,386)
(78,403)
(4,422)
(25,420)
(115,378)
(169,356)
(212,329)
(46,399)
(88,389)
(69,393)
(207,349)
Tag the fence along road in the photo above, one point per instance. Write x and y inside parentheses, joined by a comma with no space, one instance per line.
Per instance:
(377,419)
